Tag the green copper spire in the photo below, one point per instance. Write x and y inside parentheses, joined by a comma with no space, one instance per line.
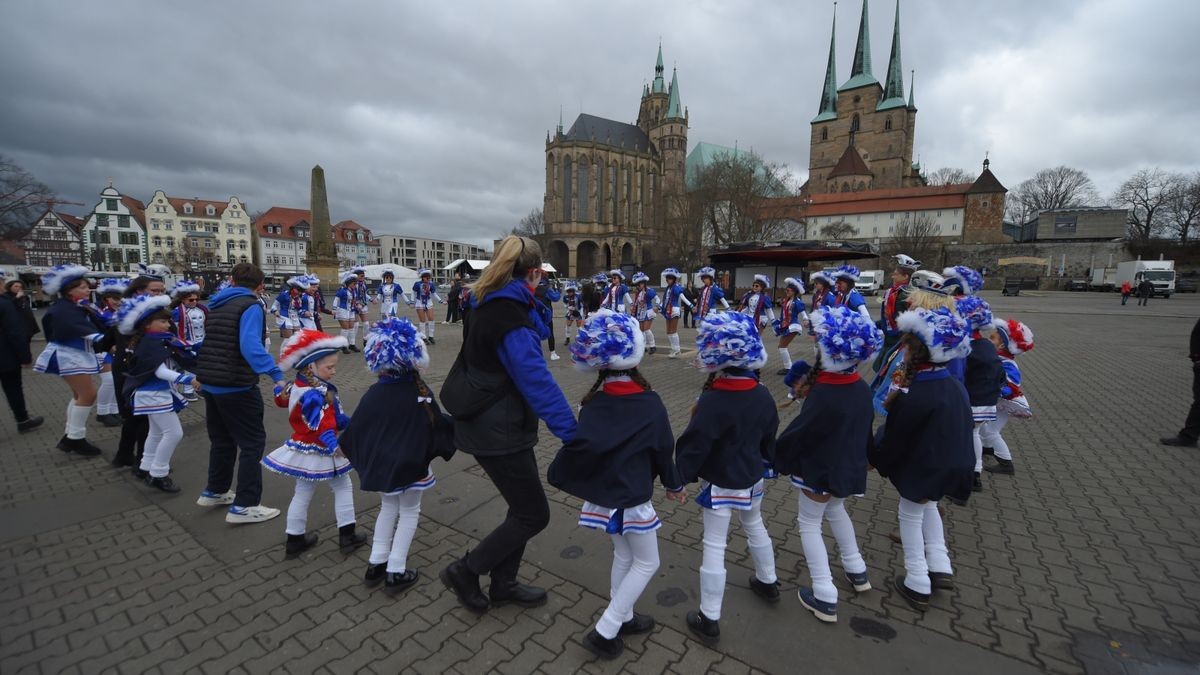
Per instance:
(828,110)
(912,84)
(673,107)
(860,72)
(659,86)
(893,91)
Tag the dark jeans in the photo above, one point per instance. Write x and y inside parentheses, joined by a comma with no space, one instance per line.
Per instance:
(687,318)
(452,311)
(15,393)
(1143,300)
(134,428)
(517,478)
(1124,298)
(1191,427)
(236,421)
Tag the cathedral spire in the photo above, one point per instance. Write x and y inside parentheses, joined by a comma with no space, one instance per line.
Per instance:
(828,109)
(860,72)
(912,84)
(893,91)
(673,107)
(659,86)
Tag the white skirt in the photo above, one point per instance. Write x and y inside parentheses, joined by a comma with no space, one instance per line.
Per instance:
(423,304)
(288,460)
(344,314)
(1015,407)
(288,323)
(419,486)
(308,322)
(638,519)
(57,359)
(716,497)
(155,401)
(983,413)
(387,309)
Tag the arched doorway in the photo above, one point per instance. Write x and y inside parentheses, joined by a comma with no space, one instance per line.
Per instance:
(627,254)
(558,256)
(586,258)
(607,256)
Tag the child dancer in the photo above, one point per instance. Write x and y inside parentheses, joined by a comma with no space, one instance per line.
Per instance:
(792,313)
(343,310)
(388,295)
(623,443)
(154,368)
(825,451)
(74,334)
(709,295)
(984,375)
(574,304)
(188,315)
(108,292)
(642,308)
(361,299)
(822,290)
(616,295)
(924,447)
(396,431)
(729,443)
(312,454)
(756,302)
(317,299)
(673,296)
(423,295)
(844,279)
(292,304)
(1011,338)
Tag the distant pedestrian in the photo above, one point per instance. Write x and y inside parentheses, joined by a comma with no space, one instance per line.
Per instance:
(1126,291)
(15,290)
(15,355)
(452,300)
(1145,289)
(1188,435)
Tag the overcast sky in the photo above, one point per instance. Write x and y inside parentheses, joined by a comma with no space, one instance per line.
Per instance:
(431,117)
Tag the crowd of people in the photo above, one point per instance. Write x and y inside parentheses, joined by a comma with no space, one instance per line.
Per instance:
(946,381)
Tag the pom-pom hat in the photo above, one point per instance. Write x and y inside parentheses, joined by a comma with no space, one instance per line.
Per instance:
(975,311)
(608,341)
(307,345)
(729,340)
(135,310)
(962,279)
(941,330)
(395,345)
(1016,336)
(763,279)
(929,281)
(671,272)
(59,276)
(639,277)
(848,272)
(845,337)
(185,287)
(797,372)
(112,286)
(300,281)
(707,272)
(795,284)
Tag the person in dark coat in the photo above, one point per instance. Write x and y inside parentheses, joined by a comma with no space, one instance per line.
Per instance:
(452,300)
(15,355)
(1188,435)
(134,428)
(824,450)
(1145,289)
(983,376)
(924,448)
(15,290)
(396,432)
(497,390)
(729,444)
(622,444)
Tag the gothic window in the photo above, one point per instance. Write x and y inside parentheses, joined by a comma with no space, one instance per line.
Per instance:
(627,198)
(612,193)
(594,189)
(887,123)
(567,191)
(824,133)
(854,122)
(601,192)
(582,188)
(641,198)
(861,186)
(845,187)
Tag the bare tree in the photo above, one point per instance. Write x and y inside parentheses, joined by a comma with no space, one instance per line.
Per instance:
(1183,206)
(681,232)
(839,230)
(1056,188)
(916,235)
(1146,195)
(22,198)
(730,191)
(532,225)
(949,176)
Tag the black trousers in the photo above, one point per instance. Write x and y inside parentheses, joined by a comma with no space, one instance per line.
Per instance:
(237,438)
(1191,427)
(134,428)
(517,478)
(14,392)
(452,310)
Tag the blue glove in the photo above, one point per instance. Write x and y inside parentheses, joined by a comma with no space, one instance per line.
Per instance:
(279,388)
(185,378)
(330,441)
(342,420)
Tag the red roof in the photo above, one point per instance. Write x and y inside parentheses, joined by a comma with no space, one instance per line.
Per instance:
(850,164)
(351,225)
(74,222)
(136,208)
(198,206)
(280,215)
(921,198)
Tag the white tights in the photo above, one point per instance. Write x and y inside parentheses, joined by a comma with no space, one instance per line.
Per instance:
(924,543)
(811,514)
(106,395)
(990,436)
(716,538)
(343,503)
(635,560)
(673,340)
(978,443)
(394,529)
(165,433)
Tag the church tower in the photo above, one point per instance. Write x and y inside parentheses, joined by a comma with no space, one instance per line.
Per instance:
(664,119)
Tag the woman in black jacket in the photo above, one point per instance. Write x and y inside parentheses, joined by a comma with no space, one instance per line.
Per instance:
(15,290)
(134,428)
(497,390)
(14,355)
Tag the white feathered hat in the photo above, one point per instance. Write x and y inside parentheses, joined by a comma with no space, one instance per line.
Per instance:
(185,287)
(608,341)
(134,310)
(794,283)
(61,275)
(763,279)
(943,331)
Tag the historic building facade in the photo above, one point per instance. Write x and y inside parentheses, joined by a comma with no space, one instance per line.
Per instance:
(610,185)
(54,240)
(282,236)
(114,233)
(194,235)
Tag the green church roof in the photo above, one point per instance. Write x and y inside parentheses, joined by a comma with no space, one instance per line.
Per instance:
(860,72)
(659,86)
(828,109)
(673,107)
(893,91)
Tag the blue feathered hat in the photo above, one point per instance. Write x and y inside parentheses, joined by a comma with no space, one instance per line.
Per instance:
(932,282)
(763,279)
(845,337)
(639,277)
(185,287)
(299,281)
(941,330)
(312,279)
(707,272)
(225,283)
(570,286)
(133,310)
(962,279)
(61,275)
(599,278)
(729,340)
(617,273)
(671,272)
(387,271)
(797,372)
(974,310)
(846,272)
(396,345)
(608,341)
(112,286)
(155,271)
(824,276)
(358,269)
(794,283)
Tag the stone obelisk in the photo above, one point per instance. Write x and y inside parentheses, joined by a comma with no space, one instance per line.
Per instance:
(322,255)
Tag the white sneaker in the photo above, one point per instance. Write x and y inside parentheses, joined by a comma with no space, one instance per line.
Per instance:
(553,356)
(214,499)
(250,514)
(673,355)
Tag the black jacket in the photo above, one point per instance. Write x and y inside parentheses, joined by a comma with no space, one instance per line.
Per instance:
(390,439)
(14,336)
(152,351)
(984,375)
(25,309)
(730,439)
(1195,344)
(925,446)
(70,324)
(827,443)
(622,444)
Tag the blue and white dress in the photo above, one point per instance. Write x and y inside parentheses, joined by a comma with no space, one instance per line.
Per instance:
(72,330)
(388,297)
(423,295)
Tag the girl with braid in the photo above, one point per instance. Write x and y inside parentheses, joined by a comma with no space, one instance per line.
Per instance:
(396,432)
(623,443)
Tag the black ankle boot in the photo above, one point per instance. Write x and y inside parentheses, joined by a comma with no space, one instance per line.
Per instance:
(708,630)
(1002,466)
(349,539)
(399,581)
(375,574)
(606,648)
(509,590)
(465,584)
(976,483)
(299,543)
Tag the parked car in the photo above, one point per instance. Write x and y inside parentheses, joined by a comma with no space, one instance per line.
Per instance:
(1077,285)
(1183,285)
(1011,287)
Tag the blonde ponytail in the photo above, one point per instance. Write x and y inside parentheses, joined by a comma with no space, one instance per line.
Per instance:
(513,258)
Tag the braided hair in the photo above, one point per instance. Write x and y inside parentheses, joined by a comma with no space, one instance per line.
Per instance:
(427,394)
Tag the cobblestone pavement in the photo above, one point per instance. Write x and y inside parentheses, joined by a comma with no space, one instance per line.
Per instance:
(1087,560)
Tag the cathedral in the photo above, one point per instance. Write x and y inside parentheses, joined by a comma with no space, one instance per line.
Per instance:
(610,184)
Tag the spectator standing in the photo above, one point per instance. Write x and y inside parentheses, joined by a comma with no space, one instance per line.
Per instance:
(1188,435)
(1145,289)
(1126,291)
(15,290)
(452,300)
(15,355)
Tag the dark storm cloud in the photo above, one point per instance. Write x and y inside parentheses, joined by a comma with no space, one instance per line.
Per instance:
(431,117)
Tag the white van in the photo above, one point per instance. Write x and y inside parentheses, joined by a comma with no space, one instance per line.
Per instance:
(870,282)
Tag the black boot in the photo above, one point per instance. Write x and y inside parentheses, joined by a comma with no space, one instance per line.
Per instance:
(30,423)
(399,581)
(349,539)
(165,484)
(64,444)
(976,483)
(1002,466)
(79,446)
(465,584)
(704,628)
(375,574)
(640,623)
(605,648)
(989,451)
(768,592)
(509,590)
(299,543)
(918,601)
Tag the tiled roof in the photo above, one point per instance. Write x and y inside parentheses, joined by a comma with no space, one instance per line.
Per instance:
(136,208)
(74,222)
(987,182)
(850,164)
(609,132)
(870,201)
(351,225)
(198,206)
(283,216)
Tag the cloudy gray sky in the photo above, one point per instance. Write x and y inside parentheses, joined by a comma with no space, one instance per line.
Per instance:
(431,117)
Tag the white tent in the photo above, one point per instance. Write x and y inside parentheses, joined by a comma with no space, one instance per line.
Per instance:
(405,276)
(479,265)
